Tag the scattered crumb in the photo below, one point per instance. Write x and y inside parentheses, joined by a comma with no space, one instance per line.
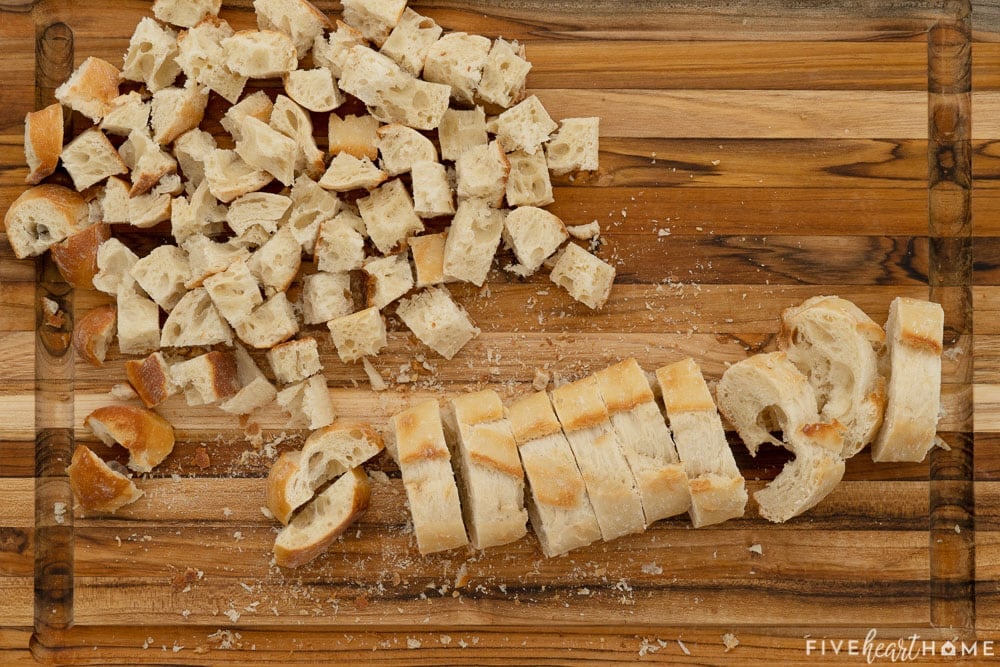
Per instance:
(232,614)
(939,442)
(59,511)
(413,643)
(651,568)
(445,640)
(227,512)
(958,528)
(684,649)
(591,230)
(123,392)
(201,459)
(541,379)
(268,514)
(374,377)
(757,549)
(730,641)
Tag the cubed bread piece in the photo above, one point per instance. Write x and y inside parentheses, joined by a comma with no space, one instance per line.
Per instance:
(309,403)
(113,199)
(277,262)
(149,210)
(151,379)
(162,274)
(195,321)
(586,277)
(424,463)
(389,278)
(461,130)
(347,172)
(575,146)
(90,158)
(534,235)
(41,217)
(294,360)
(440,323)
(235,292)
(203,59)
(314,89)
(151,55)
(505,75)
(257,105)
(330,51)
(147,436)
(358,334)
(43,141)
(482,173)
(487,468)
(366,74)
(76,256)
(177,110)
(294,122)
(207,257)
(200,215)
(528,183)
(229,176)
(185,13)
(255,389)
(525,126)
(138,323)
(268,150)
(339,247)
(191,149)
(170,184)
(128,112)
(311,207)
(258,208)
(92,333)
(270,323)
(412,102)
(472,241)
(432,196)
(298,19)
(401,146)
(428,258)
(148,162)
(389,216)
(207,378)
(91,88)
(375,19)
(410,40)
(96,485)
(457,59)
(357,135)
(260,54)
(114,266)
(326,296)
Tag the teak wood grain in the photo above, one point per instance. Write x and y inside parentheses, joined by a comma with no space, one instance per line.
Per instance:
(752,155)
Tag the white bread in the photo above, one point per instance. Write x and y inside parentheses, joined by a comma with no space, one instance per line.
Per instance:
(258,208)
(765,393)
(327,453)
(148,162)
(912,357)
(114,266)
(308,403)
(311,207)
(718,491)
(147,436)
(339,246)
(528,183)
(326,296)
(90,158)
(835,344)
(203,59)
(461,130)
(358,334)
(600,457)
(151,379)
(294,122)
(113,199)
(323,520)
(389,216)
(255,389)
(482,173)
(428,258)
(138,322)
(265,148)
(357,135)
(313,89)
(401,146)
(487,468)
(276,263)
(472,241)
(43,141)
(207,257)
(347,172)
(375,19)
(504,76)
(229,176)
(558,506)
(191,149)
(410,40)
(162,274)
(586,277)
(170,184)
(185,13)
(575,146)
(440,323)
(151,55)
(257,105)
(42,216)
(149,210)
(388,278)
(269,323)
(195,321)
(92,333)
(299,19)
(200,215)
(91,88)
(294,360)
(432,196)
(457,59)
(424,462)
(128,112)
(234,291)
(331,51)
(176,110)
(525,126)
(534,235)
(660,477)
(96,485)
(207,378)
(76,256)
(259,54)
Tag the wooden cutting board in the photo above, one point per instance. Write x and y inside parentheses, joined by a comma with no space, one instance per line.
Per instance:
(752,155)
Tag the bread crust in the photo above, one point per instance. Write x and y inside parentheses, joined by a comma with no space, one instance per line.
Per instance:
(415,441)
(93,333)
(96,486)
(148,436)
(579,404)
(684,389)
(150,377)
(43,141)
(532,417)
(76,256)
(624,386)
(63,209)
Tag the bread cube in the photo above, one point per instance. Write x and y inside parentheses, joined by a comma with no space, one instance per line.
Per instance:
(90,158)
(114,267)
(428,258)
(401,146)
(482,173)
(309,403)
(358,334)
(207,378)
(528,183)
(294,360)
(260,54)
(375,19)
(587,278)
(533,234)
(138,323)
(326,296)
(255,389)
(389,278)
(267,149)
(207,257)
(339,247)
(258,208)
(457,59)
(460,130)
(298,19)
(195,321)
(389,216)
(432,195)
(277,262)
(91,88)
(185,13)
(190,149)
(295,123)
(575,146)
(472,241)
(313,89)
(440,323)
(410,40)
(525,126)
(347,172)
(151,379)
(200,215)
(203,59)
(162,274)
(269,323)
(128,112)
(229,176)
(235,292)
(505,75)
(258,105)
(357,135)
(148,162)
(330,51)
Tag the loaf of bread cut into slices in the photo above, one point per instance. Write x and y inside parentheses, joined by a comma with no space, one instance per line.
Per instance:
(43,141)
(766,393)
(835,344)
(326,454)
(558,505)
(147,436)
(659,475)
(425,465)
(912,356)
(488,469)
(600,457)
(96,485)
(718,491)
(323,520)
(93,333)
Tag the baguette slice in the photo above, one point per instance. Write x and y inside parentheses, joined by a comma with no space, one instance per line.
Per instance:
(43,216)
(327,453)
(76,256)
(151,379)
(558,505)
(718,491)
(323,520)
(915,331)
(93,333)
(96,485)
(255,389)
(43,141)
(147,436)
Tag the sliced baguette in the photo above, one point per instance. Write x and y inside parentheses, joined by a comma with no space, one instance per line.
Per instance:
(93,333)
(43,141)
(151,379)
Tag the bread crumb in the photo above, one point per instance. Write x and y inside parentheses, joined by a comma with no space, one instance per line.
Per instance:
(123,392)
(684,649)
(374,377)
(226,512)
(268,514)
(757,549)
(59,511)
(730,641)
(958,528)
(651,568)
(232,614)
(541,379)
(591,230)
(413,643)
(201,459)
(445,640)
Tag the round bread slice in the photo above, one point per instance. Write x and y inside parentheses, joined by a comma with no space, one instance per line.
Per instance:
(147,436)
(93,333)
(43,216)
(76,257)
(96,485)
